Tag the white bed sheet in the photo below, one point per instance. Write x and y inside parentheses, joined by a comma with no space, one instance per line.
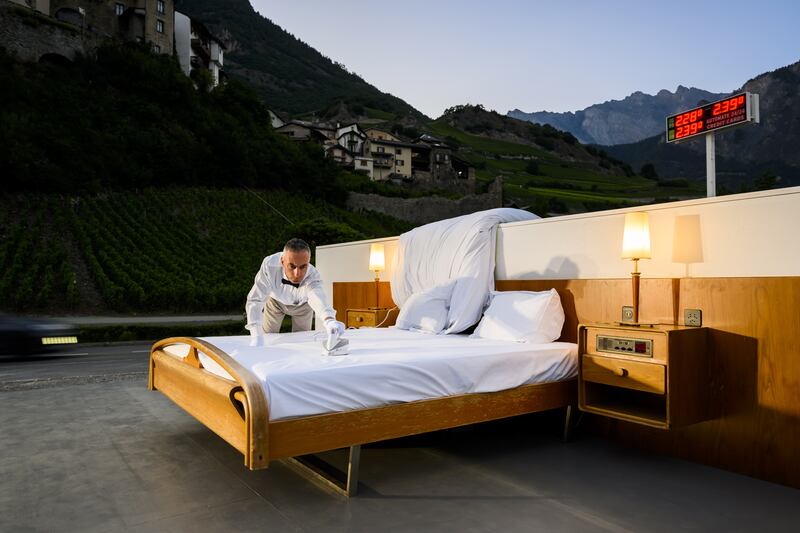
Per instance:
(386,366)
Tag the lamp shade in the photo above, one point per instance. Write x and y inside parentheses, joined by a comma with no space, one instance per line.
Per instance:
(376,259)
(636,236)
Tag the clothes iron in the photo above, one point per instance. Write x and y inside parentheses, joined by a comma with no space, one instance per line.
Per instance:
(335,344)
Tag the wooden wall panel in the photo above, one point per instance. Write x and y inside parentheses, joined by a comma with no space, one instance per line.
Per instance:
(601,300)
(755,390)
(360,295)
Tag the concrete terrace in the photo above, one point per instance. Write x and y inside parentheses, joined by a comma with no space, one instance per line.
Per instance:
(111,456)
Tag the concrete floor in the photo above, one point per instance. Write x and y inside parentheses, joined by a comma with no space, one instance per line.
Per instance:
(114,457)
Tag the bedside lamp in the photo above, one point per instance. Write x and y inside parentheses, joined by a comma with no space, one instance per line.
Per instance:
(376,259)
(636,245)
(376,263)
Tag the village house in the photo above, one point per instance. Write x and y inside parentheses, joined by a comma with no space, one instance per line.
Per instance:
(351,137)
(381,135)
(379,154)
(300,130)
(197,48)
(392,159)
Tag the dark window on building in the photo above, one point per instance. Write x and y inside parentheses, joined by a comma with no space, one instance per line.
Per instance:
(157,49)
(160,7)
(380,149)
(119,9)
(398,151)
(400,162)
(363,162)
(160,26)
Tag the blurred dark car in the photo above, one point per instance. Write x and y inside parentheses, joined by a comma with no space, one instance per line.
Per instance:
(22,335)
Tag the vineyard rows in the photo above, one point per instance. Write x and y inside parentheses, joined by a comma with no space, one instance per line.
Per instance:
(174,250)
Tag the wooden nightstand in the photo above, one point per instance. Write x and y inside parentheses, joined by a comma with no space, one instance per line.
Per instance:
(371,317)
(656,376)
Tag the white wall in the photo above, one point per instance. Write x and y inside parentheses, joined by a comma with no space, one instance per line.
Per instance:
(350,261)
(743,235)
(183,41)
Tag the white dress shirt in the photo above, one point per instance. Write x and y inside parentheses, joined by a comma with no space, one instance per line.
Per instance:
(268,284)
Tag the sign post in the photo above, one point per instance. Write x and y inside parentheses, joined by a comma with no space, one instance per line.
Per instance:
(705,120)
(711,165)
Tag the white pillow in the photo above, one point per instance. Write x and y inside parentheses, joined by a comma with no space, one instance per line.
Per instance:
(426,311)
(522,316)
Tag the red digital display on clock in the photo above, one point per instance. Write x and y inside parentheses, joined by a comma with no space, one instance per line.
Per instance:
(727,112)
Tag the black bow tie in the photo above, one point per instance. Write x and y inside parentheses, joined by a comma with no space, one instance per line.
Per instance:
(287,282)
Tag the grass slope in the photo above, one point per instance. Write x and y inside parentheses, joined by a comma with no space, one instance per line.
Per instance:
(558,183)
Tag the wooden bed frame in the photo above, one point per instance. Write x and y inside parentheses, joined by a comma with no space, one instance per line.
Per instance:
(237,410)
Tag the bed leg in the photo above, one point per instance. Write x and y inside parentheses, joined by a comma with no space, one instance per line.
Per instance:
(317,470)
(353,463)
(569,423)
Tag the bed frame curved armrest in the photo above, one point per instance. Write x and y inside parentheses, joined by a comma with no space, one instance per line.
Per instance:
(235,409)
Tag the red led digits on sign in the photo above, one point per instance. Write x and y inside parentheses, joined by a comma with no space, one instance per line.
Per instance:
(689,129)
(730,111)
(728,105)
(688,123)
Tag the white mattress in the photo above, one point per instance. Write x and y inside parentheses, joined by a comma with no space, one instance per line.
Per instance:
(386,366)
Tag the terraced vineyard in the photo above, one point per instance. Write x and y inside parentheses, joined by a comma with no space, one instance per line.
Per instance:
(178,250)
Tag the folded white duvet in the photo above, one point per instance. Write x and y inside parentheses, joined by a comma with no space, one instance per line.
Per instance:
(459,250)
(387,366)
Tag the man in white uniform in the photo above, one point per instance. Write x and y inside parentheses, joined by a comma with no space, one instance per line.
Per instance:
(288,284)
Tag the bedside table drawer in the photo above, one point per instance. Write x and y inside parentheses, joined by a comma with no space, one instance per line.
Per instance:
(646,377)
(361,319)
(657,342)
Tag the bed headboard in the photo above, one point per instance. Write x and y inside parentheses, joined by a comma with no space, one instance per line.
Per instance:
(569,333)
(363,294)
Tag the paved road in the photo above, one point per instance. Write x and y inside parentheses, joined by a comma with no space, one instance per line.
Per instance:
(158,320)
(79,363)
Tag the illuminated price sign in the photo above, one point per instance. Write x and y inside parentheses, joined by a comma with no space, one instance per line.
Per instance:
(732,111)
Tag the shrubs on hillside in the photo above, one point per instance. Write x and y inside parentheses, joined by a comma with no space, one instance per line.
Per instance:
(130,119)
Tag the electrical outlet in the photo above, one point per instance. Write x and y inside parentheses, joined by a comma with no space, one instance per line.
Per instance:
(692,317)
(627,313)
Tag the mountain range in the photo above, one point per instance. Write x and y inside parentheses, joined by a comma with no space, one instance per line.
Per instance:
(744,153)
(631,119)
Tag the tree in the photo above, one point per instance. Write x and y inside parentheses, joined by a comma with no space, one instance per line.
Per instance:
(649,171)
(766,181)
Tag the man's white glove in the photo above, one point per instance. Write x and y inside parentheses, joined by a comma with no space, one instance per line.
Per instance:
(257,337)
(334,327)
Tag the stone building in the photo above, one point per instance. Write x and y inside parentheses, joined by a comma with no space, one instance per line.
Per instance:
(144,21)
(42,6)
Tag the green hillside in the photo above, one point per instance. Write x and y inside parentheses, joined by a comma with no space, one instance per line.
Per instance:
(158,250)
(548,171)
(127,119)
